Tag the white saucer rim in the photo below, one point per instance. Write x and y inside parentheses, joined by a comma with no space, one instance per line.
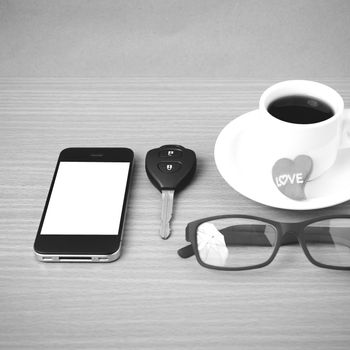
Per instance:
(311,204)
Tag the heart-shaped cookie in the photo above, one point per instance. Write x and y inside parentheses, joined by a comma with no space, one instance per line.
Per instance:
(290,176)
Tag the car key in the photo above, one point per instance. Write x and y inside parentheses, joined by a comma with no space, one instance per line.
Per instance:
(170,168)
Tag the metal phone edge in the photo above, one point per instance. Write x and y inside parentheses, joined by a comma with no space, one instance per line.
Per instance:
(87,258)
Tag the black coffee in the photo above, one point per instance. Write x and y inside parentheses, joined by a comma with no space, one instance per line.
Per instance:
(300,109)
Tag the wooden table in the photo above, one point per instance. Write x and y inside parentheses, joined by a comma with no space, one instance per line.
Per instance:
(150,298)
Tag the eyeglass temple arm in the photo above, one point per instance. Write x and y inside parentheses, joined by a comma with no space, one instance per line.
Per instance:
(240,237)
(258,236)
(341,235)
(288,238)
(186,252)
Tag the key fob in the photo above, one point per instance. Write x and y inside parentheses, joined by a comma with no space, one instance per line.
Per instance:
(170,167)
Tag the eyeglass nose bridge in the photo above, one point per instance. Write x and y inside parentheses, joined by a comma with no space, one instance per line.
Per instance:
(290,233)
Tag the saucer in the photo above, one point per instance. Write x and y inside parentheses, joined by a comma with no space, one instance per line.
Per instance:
(237,159)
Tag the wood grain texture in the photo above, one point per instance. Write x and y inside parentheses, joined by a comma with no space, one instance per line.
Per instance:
(150,298)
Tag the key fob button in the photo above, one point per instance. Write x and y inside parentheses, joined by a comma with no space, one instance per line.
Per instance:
(169,167)
(170,153)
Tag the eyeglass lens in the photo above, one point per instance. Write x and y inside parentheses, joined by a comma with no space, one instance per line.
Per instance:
(235,242)
(328,241)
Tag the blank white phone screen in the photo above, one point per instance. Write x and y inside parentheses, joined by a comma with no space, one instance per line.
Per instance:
(87,199)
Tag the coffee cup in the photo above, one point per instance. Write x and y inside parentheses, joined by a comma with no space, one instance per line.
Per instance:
(300,117)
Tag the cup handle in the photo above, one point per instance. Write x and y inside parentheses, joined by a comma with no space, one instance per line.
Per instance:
(345,140)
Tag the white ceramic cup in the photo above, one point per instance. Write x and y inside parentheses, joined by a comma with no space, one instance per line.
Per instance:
(321,141)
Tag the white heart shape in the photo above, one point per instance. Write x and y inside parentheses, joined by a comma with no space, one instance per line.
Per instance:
(283,179)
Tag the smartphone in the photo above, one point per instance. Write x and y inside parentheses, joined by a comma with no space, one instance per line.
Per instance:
(86,206)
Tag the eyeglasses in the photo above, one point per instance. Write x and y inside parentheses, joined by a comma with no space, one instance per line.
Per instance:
(243,242)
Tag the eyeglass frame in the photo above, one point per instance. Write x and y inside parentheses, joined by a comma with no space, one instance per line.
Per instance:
(283,229)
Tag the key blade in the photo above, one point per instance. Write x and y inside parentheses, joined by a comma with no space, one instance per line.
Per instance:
(167,213)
